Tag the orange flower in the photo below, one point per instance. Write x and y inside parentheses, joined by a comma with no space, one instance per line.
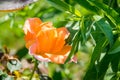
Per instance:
(45,42)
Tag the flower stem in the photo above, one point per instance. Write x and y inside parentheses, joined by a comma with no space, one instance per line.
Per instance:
(35,67)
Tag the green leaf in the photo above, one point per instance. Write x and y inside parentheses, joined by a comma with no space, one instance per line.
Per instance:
(98,50)
(60,24)
(83,32)
(114,77)
(87,5)
(64,7)
(115,62)
(109,12)
(9,78)
(106,29)
(118,2)
(4,76)
(103,66)
(13,65)
(92,72)
(22,52)
(74,46)
(116,47)
(1,72)
(57,75)
(72,31)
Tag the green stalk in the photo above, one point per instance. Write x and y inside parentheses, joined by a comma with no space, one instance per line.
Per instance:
(35,67)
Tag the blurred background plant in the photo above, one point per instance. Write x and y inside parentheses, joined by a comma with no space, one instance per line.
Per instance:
(94,26)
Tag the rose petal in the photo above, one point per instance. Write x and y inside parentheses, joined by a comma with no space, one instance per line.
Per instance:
(59,59)
(63,32)
(56,58)
(74,59)
(31,28)
(40,58)
(33,49)
(45,42)
(32,25)
(46,39)
(29,38)
(64,50)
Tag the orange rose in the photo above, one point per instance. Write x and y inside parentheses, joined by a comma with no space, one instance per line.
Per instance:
(45,42)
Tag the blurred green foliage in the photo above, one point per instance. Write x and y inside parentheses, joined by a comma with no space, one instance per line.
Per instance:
(94,26)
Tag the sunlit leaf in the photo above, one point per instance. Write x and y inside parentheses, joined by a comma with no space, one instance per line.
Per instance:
(109,12)
(60,24)
(88,6)
(64,7)
(118,1)
(83,32)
